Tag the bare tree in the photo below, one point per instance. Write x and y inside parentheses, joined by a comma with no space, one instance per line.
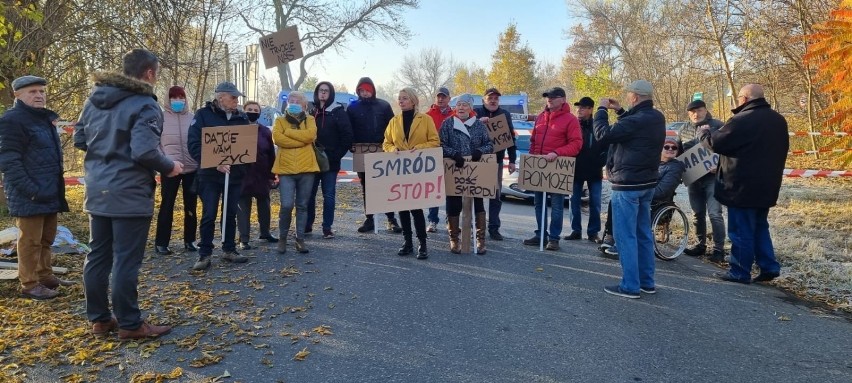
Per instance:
(425,71)
(327,25)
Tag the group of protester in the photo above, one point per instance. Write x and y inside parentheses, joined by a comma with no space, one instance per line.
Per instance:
(129,138)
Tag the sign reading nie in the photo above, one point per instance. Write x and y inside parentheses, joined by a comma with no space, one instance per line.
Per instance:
(228,145)
(474,179)
(360,151)
(537,174)
(404,180)
(498,131)
(281,47)
(698,161)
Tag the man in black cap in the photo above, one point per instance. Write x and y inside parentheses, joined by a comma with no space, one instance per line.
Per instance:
(222,111)
(31,162)
(588,170)
(491,108)
(701,192)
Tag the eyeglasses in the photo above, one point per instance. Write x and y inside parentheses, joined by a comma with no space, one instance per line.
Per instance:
(670,147)
(323,90)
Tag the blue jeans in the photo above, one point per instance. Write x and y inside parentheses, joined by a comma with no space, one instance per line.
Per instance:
(556,205)
(295,190)
(703,203)
(748,229)
(495,205)
(433,215)
(594,207)
(210,193)
(631,215)
(329,198)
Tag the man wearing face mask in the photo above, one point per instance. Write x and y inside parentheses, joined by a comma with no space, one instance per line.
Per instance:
(176,119)
(636,141)
(222,111)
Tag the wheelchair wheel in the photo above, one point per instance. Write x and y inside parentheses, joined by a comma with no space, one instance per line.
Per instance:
(671,232)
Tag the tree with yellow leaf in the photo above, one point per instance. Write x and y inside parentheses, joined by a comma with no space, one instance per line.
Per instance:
(513,64)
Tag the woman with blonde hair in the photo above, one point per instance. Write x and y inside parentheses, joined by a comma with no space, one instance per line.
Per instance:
(296,165)
(407,131)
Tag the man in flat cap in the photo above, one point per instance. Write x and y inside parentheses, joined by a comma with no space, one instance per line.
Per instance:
(588,170)
(222,111)
(701,196)
(119,129)
(31,162)
(636,141)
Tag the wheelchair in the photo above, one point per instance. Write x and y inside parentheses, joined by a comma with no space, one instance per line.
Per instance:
(671,230)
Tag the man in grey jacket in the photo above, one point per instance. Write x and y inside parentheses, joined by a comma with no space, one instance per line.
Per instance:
(119,129)
(701,197)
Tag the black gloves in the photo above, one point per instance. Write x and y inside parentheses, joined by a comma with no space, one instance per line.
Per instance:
(476,155)
(459,160)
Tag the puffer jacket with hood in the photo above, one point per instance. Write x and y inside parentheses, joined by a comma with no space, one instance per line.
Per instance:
(175,136)
(209,116)
(369,116)
(120,129)
(334,132)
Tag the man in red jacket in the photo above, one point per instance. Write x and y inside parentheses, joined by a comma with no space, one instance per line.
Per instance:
(439,111)
(556,134)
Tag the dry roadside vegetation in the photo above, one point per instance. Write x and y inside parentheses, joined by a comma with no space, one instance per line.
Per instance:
(810,227)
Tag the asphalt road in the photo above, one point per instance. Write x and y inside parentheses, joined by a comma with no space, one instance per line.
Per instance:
(513,315)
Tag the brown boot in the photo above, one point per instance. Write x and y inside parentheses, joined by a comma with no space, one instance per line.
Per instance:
(143,332)
(454,230)
(480,233)
(52,282)
(104,328)
(39,292)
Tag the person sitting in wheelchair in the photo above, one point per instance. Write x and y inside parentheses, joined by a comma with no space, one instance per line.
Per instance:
(671,172)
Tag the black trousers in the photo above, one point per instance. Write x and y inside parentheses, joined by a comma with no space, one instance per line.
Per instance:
(361,176)
(454,206)
(419,223)
(168,194)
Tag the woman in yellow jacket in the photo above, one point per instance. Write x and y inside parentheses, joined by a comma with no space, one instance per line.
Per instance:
(407,131)
(296,165)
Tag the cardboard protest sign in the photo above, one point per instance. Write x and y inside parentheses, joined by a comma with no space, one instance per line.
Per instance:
(404,180)
(498,131)
(281,47)
(537,174)
(475,179)
(360,151)
(698,161)
(228,145)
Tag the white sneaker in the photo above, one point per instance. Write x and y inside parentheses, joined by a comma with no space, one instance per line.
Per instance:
(432,228)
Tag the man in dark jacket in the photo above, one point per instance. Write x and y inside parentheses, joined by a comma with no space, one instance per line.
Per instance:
(636,141)
(491,108)
(701,197)
(369,117)
(120,129)
(31,162)
(223,111)
(588,170)
(334,134)
(753,147)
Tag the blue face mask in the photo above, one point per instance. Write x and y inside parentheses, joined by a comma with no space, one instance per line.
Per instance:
(178,105)
(294,108)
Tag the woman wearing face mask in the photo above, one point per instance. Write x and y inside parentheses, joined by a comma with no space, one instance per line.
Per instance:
(176,120)
(406,131)
(464,135)
(257,182)
(296,165)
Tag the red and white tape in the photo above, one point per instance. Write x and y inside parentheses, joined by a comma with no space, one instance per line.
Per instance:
(807,173)
(835,134)
(821,150)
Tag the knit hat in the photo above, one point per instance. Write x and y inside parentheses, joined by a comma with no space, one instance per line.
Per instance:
(465,98)
(671,139)
(177,92)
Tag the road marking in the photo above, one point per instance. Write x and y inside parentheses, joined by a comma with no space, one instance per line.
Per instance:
(382,264)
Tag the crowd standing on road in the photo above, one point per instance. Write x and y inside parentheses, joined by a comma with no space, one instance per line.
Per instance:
(128,138)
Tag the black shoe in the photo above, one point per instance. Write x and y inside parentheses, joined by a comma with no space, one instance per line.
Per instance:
(594,238)
(406,249)
(309,230)
(575,235)
(726,276)
(367,226)
(163,250)
(393,226)
(765,277)
(616,290)
(495,234)
(189,246)
(421,250)
(245,246)
(533,241)
(717,257)
(695,251)
(269,238)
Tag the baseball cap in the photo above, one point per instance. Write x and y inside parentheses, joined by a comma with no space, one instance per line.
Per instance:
(554,92)
(492,91)
(443,90)
(585,101)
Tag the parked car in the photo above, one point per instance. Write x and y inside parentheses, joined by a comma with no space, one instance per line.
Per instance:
(673,128)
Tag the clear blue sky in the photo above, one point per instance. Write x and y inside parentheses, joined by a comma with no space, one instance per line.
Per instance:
(466,29)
